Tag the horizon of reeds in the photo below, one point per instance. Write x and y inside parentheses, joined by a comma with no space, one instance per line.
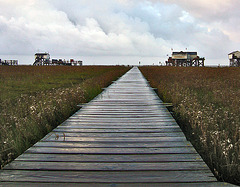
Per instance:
(206,105)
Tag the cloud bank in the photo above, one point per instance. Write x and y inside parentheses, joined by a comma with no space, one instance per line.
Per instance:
(119,27)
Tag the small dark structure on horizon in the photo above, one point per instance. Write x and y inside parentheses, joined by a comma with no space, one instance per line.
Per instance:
(8,62)
(185,59)
(234,59)
(42,59)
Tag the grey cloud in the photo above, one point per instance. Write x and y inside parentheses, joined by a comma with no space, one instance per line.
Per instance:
(117,27)
(208,10)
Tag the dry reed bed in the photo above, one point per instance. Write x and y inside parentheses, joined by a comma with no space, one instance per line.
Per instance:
(206,104)
(34,100)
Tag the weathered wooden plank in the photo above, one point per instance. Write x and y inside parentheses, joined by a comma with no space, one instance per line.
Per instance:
(124,110)
(152,109)
(117,134)
(124,105)
(149,158)
(123,113)
(136,98)
(140,100)
(144,101)
(122,120)
(122,184)
(130,116)
(54,150)
(116,118)
(95,166)
(110,177)
(128,87)
(141,92)
(111,112)
(125,95)
(116,108)
(112,95)
(122,98)
(147,107)
(117,127)
(116,139)
(128,124)
(117,130)
(113,144)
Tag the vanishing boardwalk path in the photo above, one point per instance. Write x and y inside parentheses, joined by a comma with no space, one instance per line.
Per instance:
(124,136)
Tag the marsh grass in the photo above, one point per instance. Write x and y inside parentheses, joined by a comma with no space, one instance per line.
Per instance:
(206,104)
(34,100)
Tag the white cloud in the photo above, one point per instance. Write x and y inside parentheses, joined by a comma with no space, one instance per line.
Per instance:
(206,9)
(223,15)
(119,27)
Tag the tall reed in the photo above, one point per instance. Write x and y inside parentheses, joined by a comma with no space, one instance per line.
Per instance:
(34,100)
(206,104)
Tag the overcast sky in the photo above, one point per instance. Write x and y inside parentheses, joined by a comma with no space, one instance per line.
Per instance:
(120,27)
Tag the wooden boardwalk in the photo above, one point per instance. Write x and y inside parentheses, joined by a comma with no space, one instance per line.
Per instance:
(125,136)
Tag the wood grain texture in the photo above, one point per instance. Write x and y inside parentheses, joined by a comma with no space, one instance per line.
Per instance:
(110,158)
(113,144)
(113,176)
(122,184)
(54,150)
(60,137)
(75,166)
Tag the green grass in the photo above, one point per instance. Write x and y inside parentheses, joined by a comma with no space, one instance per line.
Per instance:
(15,81)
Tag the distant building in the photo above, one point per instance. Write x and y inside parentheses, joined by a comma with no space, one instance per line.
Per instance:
(9,62)
(184,55)
(42,59)
(234,59)
(185,59)
(78,63)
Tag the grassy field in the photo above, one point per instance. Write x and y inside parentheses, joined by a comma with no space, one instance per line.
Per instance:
(34,100)
(206,104)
